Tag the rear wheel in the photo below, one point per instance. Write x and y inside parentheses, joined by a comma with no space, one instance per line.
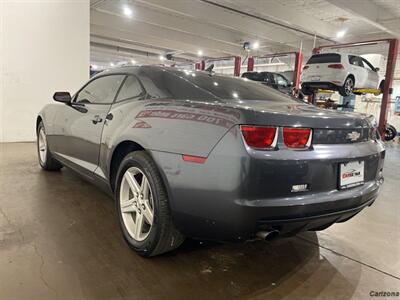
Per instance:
(46,159)
(143,208)
(347,88)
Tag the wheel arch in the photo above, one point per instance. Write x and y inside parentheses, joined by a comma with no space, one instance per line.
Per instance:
(38,120)
(120,151)
(124,148)
(353,77)
(382,84)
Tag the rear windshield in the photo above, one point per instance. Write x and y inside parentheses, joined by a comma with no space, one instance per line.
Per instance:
(324,58)
(176,84)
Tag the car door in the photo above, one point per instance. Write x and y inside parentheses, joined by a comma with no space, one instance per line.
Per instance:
(373,76)
(358,70)
(80,124)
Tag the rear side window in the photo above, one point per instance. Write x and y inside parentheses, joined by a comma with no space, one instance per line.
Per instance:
(101,90)
(324,58)
(131,89)
(355,61)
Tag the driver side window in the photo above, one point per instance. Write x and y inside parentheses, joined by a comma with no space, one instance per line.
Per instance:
(101,90)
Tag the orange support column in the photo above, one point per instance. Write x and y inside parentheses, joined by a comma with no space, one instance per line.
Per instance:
(390,65)
(250,64)
(297,70)
(236,70)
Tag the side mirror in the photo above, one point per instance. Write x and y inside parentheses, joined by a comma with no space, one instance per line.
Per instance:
(63,97)
(377,69)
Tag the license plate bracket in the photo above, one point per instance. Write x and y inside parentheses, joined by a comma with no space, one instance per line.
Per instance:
(351,174)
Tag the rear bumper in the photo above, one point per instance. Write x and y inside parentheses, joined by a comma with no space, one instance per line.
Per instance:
(239,191)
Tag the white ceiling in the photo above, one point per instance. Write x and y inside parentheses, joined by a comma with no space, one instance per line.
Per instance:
(220,27)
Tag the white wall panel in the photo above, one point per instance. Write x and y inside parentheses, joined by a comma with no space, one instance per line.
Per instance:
(44,47)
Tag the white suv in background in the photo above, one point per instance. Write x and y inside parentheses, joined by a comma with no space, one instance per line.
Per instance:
(340,72)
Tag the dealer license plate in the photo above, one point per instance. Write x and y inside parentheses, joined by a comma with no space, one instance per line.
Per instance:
(351,174)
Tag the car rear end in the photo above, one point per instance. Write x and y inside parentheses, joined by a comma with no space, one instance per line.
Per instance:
(325,71)
(284,170)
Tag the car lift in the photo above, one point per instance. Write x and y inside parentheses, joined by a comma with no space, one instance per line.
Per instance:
(297,66)
(250,65)
(390,66)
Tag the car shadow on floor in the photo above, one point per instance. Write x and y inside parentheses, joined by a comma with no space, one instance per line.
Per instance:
(77,225)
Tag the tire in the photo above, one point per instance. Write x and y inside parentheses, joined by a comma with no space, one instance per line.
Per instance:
(150,239)
(390,132)
(348,87)
(46,159)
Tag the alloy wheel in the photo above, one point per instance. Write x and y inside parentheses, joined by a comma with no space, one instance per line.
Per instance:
(136,204)
(349,86)
(42,145)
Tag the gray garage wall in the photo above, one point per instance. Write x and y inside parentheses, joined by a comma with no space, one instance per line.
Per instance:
(44,47)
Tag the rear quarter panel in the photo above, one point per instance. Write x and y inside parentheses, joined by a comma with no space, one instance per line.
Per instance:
(180,127)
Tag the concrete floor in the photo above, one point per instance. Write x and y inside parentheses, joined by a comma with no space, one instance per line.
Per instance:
(59,239)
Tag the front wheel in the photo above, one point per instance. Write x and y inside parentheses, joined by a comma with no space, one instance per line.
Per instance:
(46,159)
(347,88)
(390,132)
(143,208)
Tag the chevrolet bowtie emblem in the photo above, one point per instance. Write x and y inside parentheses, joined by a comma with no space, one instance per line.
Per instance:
(353,136)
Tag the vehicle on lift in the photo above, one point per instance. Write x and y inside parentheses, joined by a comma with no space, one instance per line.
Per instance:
(194,154)
(345,73)
(274,80)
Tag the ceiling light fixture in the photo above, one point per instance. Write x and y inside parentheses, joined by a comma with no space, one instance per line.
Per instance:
(341,33)
(133,61)
(162,57)
(199,53)
(256,45)
(128,11)
(111,64)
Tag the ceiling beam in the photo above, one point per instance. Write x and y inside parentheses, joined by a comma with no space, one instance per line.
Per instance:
(172,36)
(277,14)
(371,13)
(220,17)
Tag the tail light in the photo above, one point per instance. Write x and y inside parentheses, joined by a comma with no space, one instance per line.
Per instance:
(305,67)
(297,137)
(259,137)
(336,66)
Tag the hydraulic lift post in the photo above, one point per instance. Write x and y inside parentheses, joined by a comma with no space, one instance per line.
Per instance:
(390,66)
(250,64)
(236,70)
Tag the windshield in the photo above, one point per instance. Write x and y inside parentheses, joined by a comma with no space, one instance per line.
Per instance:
(254,76)
(197,85)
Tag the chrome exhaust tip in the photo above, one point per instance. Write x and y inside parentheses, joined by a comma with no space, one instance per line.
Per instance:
(267,235)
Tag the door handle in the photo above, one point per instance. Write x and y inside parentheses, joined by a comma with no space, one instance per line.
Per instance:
(97,119)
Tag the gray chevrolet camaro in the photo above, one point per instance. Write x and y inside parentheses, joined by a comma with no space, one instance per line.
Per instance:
(194,154)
